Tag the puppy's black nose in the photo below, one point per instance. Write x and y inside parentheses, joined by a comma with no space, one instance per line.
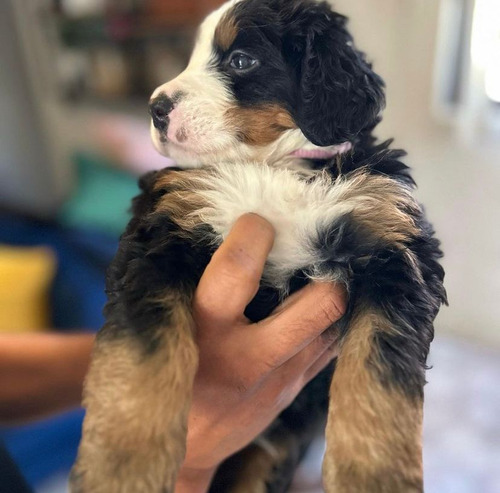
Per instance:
(160,109)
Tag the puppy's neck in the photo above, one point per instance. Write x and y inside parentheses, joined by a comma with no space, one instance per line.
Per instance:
(293,151)
(313,152)
(300,155)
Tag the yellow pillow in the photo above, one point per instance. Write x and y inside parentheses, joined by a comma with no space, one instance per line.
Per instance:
(25,278)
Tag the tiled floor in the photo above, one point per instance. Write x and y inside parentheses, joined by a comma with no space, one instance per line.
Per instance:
(462,424)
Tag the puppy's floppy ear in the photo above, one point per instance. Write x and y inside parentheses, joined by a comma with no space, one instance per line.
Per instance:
(338,93)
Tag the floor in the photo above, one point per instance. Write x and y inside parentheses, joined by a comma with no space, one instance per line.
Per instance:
(462,419)
(462,425)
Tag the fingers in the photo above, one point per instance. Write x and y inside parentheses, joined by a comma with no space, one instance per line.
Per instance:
(300,321)
(320,364)
(232,277)
(313,358)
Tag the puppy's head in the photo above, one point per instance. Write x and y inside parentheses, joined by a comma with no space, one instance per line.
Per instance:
(267,80)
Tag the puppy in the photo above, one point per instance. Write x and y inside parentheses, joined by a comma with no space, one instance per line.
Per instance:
(273,115)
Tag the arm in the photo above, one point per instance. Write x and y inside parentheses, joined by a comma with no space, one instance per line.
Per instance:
(41,374)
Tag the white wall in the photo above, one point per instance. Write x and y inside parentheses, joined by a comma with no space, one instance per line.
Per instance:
(24,170)
(459,184)
(34,167)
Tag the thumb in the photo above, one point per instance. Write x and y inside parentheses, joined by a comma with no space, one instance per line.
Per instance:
(232,277)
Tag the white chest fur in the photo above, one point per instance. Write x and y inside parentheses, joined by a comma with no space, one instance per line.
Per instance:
(299,208)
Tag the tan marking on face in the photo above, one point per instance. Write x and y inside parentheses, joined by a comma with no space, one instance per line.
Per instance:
(226,31)
(137,405)
(259,126)
(373,432)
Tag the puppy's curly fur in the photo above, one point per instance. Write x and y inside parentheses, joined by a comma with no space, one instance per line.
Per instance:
(275,114)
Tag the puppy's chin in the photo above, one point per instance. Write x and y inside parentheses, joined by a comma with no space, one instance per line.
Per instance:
(182,155)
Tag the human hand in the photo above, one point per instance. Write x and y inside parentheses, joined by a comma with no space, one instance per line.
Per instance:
(248,373)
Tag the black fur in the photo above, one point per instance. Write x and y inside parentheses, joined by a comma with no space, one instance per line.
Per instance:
(151,258)
(317,74)
(380,276)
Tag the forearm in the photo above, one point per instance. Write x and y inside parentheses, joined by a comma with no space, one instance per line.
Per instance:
(41,374)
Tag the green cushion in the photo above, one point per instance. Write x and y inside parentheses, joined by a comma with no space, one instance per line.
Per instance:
(101,199)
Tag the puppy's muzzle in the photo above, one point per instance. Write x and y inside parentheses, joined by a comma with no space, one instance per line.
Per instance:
(160,109)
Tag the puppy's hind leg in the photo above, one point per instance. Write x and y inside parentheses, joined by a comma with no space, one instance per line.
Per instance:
(137,400)
(396,289)
(374,425)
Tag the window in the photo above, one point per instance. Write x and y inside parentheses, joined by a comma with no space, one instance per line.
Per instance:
(485,46)
(467,71)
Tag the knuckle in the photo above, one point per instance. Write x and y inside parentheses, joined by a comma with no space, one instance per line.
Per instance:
(244,382)
(330,309)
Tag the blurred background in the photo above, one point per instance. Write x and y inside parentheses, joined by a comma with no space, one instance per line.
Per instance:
(75,79)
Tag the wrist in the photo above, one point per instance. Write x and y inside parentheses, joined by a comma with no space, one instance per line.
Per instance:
(194,480)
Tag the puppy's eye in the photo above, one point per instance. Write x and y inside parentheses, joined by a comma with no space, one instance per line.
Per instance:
(241,61)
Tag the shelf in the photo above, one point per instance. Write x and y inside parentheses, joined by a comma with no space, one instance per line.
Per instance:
(98,31)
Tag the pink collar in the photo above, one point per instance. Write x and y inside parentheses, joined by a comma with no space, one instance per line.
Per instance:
(322,152)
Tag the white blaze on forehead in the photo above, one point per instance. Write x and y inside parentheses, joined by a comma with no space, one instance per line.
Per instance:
(200,113)
(203,50)
(201,58)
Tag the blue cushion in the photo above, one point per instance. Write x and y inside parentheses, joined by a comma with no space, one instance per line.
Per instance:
(46,447)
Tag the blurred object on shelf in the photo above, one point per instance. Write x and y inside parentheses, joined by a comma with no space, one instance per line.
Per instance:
(179,12)
(25,278)
(163,65)
(116,50)
(80,8)
(110,78)
(166,12)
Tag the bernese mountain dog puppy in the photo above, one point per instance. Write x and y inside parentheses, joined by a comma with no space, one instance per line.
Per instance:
(273,115)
